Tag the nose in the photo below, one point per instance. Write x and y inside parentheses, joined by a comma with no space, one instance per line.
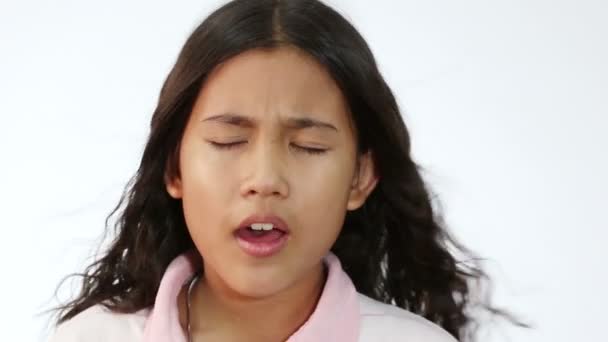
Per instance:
(265,170)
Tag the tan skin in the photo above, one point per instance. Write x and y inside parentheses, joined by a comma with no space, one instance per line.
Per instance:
(243,298)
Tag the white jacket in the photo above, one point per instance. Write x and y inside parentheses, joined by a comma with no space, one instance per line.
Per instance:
(341,315)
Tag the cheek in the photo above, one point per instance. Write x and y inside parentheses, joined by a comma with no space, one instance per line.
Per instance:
(322,201)
(206,190)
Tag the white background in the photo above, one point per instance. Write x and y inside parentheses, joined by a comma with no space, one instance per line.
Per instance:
(506,103)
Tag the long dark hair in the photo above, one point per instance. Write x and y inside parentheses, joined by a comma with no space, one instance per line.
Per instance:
(395,247)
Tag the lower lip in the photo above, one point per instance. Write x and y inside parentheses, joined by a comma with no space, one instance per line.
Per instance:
(261,249)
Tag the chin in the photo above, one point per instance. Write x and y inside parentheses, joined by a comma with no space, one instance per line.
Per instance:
(258,285)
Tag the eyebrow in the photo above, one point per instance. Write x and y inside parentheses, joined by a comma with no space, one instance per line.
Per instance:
(299,122)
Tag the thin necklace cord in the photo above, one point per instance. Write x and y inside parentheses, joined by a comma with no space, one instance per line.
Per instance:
(193,281)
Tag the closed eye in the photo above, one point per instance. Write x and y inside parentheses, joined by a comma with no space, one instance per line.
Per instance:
(309,150)
(227,146)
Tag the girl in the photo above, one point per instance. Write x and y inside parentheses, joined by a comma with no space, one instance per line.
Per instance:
(276,200)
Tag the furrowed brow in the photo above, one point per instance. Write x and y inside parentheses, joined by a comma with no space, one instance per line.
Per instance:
(296,123)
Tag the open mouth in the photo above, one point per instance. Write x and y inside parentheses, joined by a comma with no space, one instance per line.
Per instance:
(258,236)
(261,243)
(262,235)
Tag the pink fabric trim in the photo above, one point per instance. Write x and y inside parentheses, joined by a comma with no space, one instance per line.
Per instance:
(336,317)
(163,322)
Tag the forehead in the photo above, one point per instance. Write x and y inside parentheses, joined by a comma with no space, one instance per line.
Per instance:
(282,81)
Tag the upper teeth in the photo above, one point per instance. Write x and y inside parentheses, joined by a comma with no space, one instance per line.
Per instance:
(262,226)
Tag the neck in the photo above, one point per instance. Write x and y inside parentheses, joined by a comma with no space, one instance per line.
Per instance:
(216,309)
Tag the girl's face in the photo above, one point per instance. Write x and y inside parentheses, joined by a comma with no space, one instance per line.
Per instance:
(269,171)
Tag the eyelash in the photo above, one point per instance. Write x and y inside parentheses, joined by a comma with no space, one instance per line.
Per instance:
(227,146)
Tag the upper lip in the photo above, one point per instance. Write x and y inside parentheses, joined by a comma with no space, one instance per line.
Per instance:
(277,222)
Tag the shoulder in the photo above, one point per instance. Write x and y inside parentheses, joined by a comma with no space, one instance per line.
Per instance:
(381,322)
(98,323)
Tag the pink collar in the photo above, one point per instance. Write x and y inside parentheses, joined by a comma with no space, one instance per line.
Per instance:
(336,317)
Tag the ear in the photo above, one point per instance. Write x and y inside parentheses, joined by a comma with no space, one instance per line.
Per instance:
(364,181)
(173,186)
